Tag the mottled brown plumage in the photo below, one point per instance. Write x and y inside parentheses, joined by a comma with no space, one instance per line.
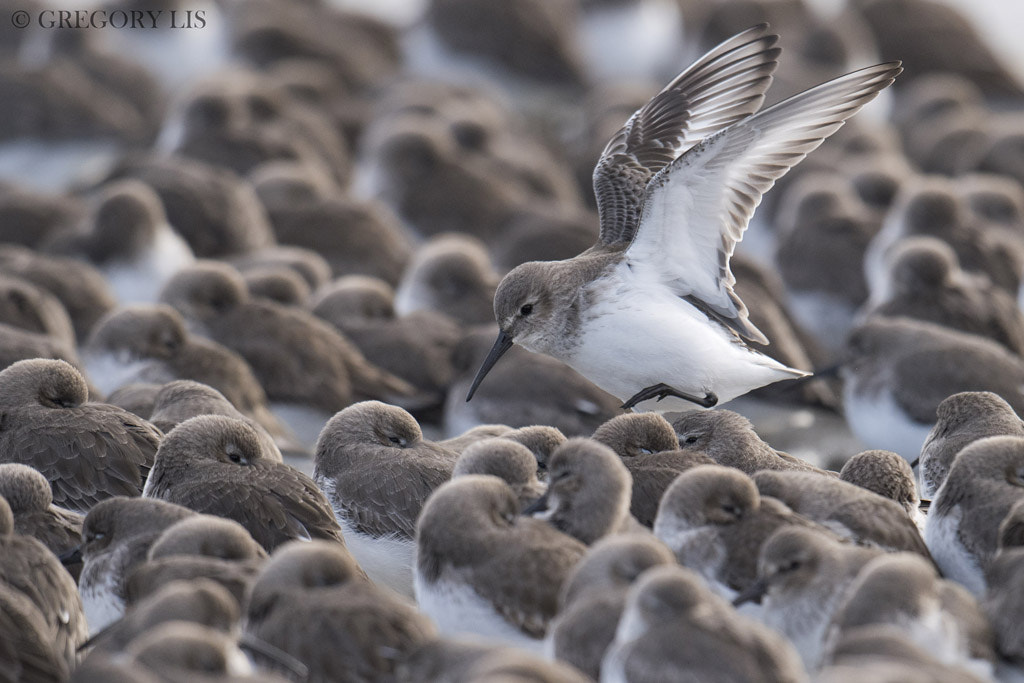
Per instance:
(312,594)
(220,466)
(87,451)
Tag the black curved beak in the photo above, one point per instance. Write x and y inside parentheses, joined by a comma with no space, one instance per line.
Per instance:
(753,593)
(501,345)
(539,505)
(72,556)
(251,643)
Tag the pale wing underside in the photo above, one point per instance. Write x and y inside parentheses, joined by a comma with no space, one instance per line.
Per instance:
(724,86)
(698,207)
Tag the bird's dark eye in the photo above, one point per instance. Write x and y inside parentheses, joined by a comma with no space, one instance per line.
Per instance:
(690,440)
(792,565)
(234,457)
(397,440)
(527,309)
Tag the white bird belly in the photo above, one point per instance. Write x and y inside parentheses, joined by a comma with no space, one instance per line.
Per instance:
(639,337)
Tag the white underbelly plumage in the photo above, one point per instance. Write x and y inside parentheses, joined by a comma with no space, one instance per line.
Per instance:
(639,336)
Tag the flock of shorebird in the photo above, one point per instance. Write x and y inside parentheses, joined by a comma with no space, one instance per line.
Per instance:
(253,427)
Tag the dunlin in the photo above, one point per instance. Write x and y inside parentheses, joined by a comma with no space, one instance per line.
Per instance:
(28,567)
(115,537)
(899,370)
(184,399)
(857,514)
(200,546)
(703,128)
(87,451)
(635,434)
(824,232)
(151,344)
(80,287)
(199,601)
(673,628)
(715,521)
(588,492)
(983,484)
(451,274)
(130,241)
(938,615)
(801,578)
(377,471)
(506,460)
(221,466)
(482,569)
(729,439)
(594,596)
(963,418)
(924,282)
(308,591)
(29,307)
(27,650)
(31,500)
(888,475)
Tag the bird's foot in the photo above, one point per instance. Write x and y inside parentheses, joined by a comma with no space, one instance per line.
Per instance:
(660,391)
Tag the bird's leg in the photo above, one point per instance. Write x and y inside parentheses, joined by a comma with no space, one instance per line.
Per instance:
(660,391)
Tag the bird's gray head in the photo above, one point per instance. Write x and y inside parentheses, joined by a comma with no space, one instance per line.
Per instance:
(113,520)
(214,438)
(207,536)
(589,490)
(635,434)
(140,331)
(523,307)
(205,290)
(789,559)
(706,495)
(713,431)
(367,423)
(922,263)
(49,383)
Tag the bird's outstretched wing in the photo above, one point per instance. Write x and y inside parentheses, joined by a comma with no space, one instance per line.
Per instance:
(698,207)
(722,87)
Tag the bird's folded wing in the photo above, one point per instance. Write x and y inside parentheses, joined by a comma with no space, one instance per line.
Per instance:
(698,207)
(724,86)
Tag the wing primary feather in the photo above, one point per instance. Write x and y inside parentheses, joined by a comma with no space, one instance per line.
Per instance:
(697,208)
(724,86)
